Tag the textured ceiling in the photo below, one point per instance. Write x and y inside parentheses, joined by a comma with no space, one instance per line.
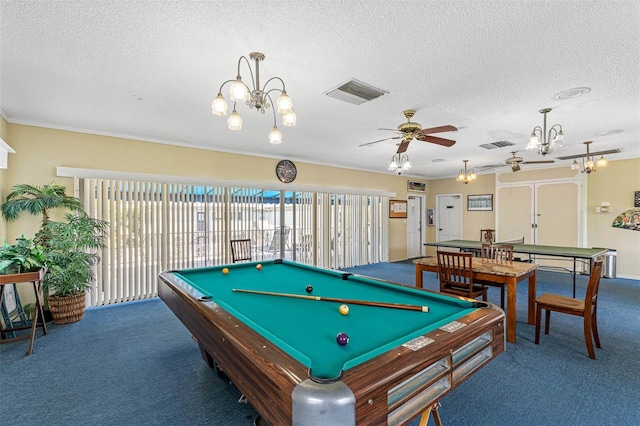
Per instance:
(149,70)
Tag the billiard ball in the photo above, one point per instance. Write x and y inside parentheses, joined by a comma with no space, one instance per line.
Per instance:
(259,267)
(225,271)
(309,289)
(342,338)
(344,309)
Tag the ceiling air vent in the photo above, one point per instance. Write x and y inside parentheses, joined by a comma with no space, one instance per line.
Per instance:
(355,92)
(498,144)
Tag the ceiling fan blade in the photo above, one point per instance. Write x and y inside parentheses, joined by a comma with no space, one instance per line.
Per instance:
(436,140)
(491,166)
(380,140)
(538,162)
(403,146)
(440,129)
(392,130)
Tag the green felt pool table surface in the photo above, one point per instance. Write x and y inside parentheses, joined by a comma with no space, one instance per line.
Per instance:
(307,329)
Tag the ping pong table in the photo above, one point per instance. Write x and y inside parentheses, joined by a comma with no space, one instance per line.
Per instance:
(576,254)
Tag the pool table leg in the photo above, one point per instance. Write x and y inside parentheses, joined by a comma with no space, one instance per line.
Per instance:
(205,355)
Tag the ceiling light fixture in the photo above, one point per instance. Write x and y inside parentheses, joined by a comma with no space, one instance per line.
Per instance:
(545,142)
(588,165)
(255,97)
(465,176)
(399,163)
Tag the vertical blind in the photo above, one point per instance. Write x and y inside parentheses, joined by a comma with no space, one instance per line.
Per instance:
(158,226)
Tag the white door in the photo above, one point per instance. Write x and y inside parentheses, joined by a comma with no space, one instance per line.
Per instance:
(414,227)
(448,217)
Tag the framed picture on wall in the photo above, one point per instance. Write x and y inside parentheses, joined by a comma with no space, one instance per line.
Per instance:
(397,209)
(482,202)
(415,186)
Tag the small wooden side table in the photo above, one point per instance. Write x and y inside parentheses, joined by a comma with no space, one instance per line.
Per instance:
(38,316)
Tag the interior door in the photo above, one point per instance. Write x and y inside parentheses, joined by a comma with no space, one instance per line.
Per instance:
(414,227)
(448,217)
(556,214)
(515,213)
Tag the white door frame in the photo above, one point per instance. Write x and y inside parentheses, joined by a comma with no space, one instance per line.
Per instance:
(421,225)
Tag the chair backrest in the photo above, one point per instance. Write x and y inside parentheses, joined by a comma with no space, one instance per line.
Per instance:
(240,250)
(497,252)
(455,270)
(280,235)
(487,235)
(591,296)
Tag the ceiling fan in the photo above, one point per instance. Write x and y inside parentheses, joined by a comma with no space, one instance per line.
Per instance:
(515,162)
(409,131)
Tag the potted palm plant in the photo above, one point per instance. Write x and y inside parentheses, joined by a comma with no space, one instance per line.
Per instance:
(69,247)
(70,256)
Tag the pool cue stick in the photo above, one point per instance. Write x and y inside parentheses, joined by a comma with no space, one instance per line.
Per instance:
(333,299)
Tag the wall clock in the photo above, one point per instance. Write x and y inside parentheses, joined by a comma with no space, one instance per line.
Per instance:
(286,171)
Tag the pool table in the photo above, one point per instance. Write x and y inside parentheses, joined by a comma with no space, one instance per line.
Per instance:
(281,352)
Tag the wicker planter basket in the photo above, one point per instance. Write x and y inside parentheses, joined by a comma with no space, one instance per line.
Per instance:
(67,309)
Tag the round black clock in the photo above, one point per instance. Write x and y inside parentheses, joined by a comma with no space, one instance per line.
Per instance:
(286,171)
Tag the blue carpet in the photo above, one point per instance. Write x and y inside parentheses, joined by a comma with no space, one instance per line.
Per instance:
(135,363)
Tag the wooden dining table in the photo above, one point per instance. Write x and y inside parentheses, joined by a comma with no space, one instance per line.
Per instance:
(508,273)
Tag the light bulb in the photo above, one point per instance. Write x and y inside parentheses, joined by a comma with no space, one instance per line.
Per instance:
(533,142)
(407,164)
(394,164)
(234,121)
(219,106)
(575,165)
(238,91)
(275,137)
(289,119)
(284,103)
(601,162)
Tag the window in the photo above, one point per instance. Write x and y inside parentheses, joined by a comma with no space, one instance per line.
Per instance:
(157,226)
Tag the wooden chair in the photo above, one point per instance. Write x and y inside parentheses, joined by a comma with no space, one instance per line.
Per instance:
(499,253)
(586,308)
(487,235)
(241,250)
(456,275)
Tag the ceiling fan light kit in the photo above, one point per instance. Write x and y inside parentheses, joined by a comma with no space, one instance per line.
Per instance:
(399,163)
(465,176)
(588,165)
(545,142)
(255,97)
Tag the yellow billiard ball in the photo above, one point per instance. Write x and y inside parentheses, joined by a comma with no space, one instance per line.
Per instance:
(344,309)
(259,267)
(225,271)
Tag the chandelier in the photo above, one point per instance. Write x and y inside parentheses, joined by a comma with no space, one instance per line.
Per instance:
(399,163)
(255,97)
(545,142)
(588,165)
(465,176)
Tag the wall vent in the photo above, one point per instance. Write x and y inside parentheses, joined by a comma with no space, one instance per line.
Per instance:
(498,144)
(355,92)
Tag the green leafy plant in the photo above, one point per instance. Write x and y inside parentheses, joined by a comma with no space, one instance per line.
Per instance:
(71,253)
(69,248)
(38,200)
(23,256)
